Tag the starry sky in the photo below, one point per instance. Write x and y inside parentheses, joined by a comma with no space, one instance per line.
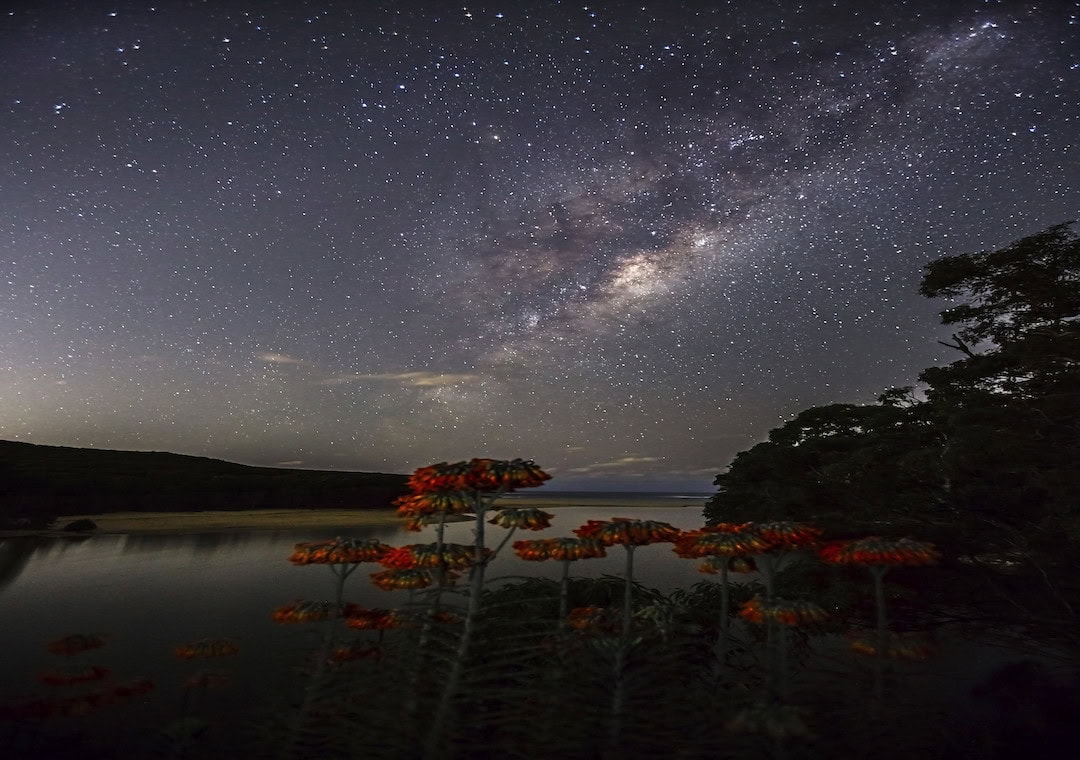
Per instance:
(622,239)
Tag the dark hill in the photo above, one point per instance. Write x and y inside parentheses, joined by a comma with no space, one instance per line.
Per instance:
(44,481)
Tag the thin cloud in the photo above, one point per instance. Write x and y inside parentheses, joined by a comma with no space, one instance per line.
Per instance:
(273,358)
(630,461)
(412,379)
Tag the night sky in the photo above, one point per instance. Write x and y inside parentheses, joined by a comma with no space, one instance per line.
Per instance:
(624,240)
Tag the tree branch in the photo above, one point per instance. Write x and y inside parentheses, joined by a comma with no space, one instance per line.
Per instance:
(960,345)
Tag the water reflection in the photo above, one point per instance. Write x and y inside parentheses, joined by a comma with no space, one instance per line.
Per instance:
(150,593)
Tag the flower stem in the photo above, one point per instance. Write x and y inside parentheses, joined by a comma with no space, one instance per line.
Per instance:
(628,591)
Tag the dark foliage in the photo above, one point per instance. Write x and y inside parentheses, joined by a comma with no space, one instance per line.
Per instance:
(985,457)
(36,481)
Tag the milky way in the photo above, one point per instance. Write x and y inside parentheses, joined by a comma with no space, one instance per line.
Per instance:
(623,241)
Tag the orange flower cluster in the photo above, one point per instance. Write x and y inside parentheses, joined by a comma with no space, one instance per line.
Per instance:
(881,552)
(407,578)
(792,613)
(594,619)
(422,504)
(784,534)
(356,651)
(75,643)
(623,530)
(206,648)
(719,543)
(898,646)
(375,619)
(478,475)
(65,677)
(527,518)
(338,551)
(568,549)
(83,704)
(453,556)
(205,680)
(313,612)
(713,565)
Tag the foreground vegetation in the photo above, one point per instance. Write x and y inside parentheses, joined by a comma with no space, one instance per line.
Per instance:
(827,650)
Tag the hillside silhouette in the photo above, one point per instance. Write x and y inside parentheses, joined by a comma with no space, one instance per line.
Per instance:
(39,482)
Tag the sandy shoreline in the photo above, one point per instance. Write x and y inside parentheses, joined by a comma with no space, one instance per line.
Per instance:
(289,519)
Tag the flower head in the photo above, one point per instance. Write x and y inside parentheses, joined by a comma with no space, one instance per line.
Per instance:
(338,551)
(786,612)
(206,648)
(713,543)
(622,530)
(880,552)
(375,619)
(75,643)
(454,556)
(594,619)
(424,504)
(898,646)
(312,612)
(784,534)
(478,475)
(408,578)
(527,518)
(567,549)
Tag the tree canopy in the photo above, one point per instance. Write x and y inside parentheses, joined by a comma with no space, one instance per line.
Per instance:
(989,443)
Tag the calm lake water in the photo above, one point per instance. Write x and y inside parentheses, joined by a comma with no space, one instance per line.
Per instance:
(149,593)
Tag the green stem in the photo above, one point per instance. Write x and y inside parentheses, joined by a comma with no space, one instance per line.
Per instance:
(725,616)
(502,543)
(457,668)
(564,594)
(628,590)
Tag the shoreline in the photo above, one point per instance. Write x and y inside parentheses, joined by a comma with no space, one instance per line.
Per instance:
(114,523)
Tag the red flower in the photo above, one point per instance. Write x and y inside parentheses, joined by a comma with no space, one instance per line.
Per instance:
(338,551)
(623,530)
(792,613)
(898,646)
(206,648)
(483,475)
(409,578)
(454,556)
(880,552)
(427,503)
(569,549)
(375,619)
(722,543)
(529,519)
(784,534)
(356,651)
(594,619)
(75,643)
(312,612)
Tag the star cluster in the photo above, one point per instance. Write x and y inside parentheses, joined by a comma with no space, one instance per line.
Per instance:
(625,241)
